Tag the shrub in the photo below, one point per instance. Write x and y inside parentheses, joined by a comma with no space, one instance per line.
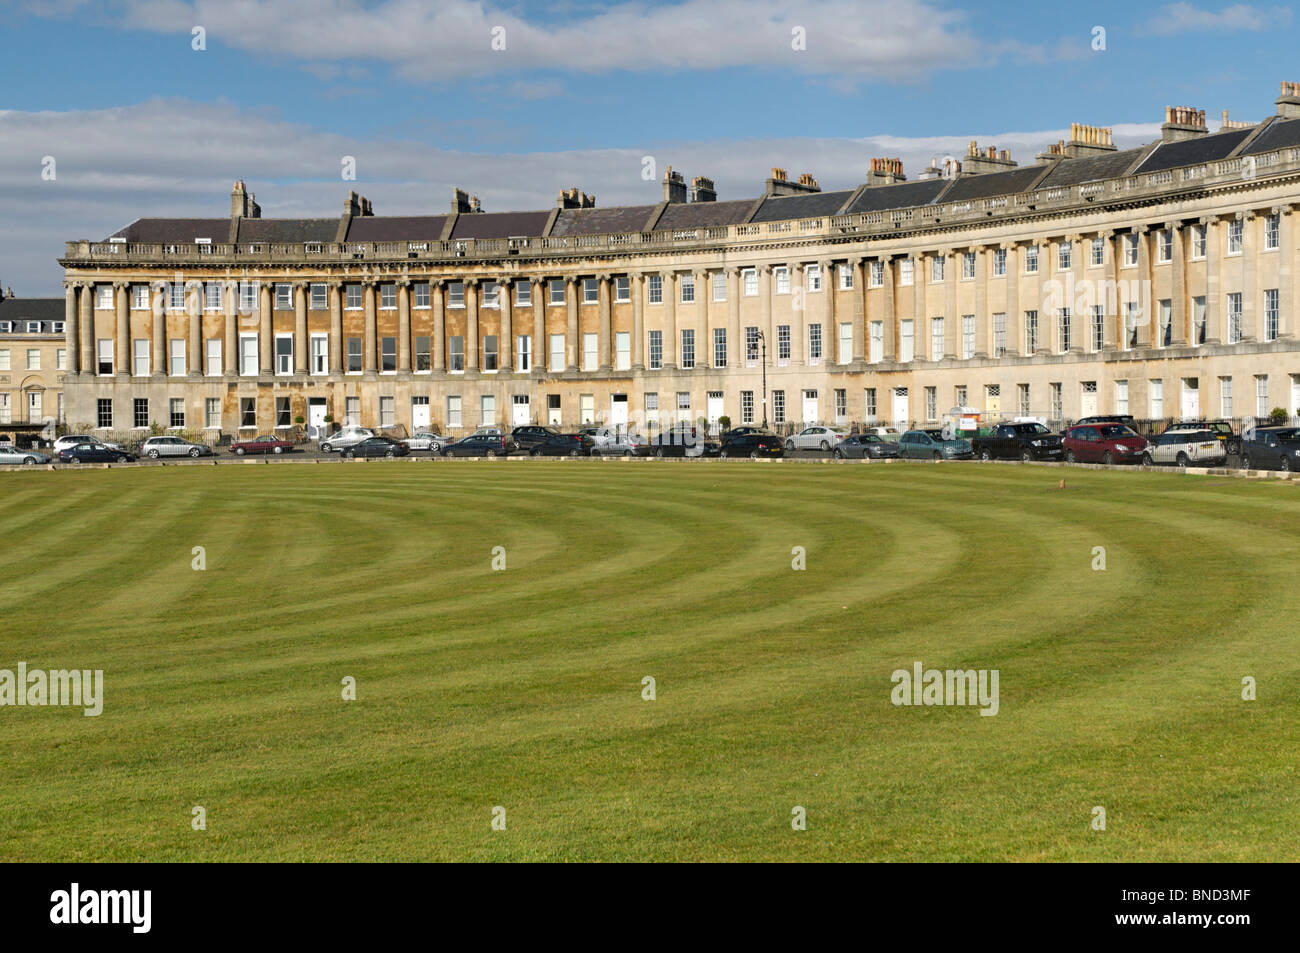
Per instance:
(724,422)
(1277,415)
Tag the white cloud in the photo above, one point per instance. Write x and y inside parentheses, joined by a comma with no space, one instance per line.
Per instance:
(886,39)
(171,158)
(1176,18)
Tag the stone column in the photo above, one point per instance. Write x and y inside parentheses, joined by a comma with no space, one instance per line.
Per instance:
(336,326)
(889,343)
(1285,273)
(300,355)
(1109,337)
(952,326)
(404,325)
(605,346)
(71,345)
(506,303)
(637,281)
(920,313)
(983,312)
(1250,328)
(438,299)
(158,346)
(764,275)
(194,350)
(265,337)
(1179,334)
(1015,320)
(370,356)
(541,347)
(1144,317)
(735,336)
(86,328)
(471,324)
(230,347)
(1215,332)
(571,344)
(799,353)
(670,320)
(859,310)
(122,333)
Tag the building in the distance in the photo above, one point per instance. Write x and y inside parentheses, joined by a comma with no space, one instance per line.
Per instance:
(1158,281)
(33,362)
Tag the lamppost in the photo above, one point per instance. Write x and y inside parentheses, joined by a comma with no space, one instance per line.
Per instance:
(763,343)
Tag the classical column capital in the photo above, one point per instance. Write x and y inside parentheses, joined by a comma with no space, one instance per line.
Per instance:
(403,281)
(1280,210)
(335,283)
(300,284)
(1141,229)
(855,261)
(472,281)
(437,282)
(119,284)
(1106,234)
(765,268)
(667,273)
(604,276)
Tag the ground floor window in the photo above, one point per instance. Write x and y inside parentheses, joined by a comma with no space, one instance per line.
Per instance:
(587,408)
(212,413)
(104,412)
(931,403)
(841,405)
(140,412)
(453,410)
(352,411)
(176,412)
(487,410)
(248,412)
(778,406)
(746,406)
(869,404)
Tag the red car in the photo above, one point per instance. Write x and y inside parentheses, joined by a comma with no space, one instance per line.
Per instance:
(262,443)
(1104,443)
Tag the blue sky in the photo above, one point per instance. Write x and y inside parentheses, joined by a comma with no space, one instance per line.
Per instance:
(144,125)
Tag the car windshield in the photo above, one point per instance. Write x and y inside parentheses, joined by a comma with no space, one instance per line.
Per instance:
(1288,436)
(1031,429)
(870,438)
(1116,432)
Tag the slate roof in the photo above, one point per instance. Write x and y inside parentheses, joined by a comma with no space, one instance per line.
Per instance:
(781,207)
(903,195)
(395,228)
(286,230)
(174,230)
(500,224)
(1279,134)
(989,184)
(1170,155)
(45,310)
(704,214)
(1091,168)
(596,221)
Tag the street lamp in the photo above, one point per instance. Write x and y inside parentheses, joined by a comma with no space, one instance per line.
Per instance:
(763,343)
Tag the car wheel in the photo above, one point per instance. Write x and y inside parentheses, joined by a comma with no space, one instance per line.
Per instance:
(326,448)
(659,452)
(825,446)
(74,459)
(28,461)
(1108,458)
(390,454)
(722,454)
(1026,456)
(1286,465)
(239,451)
(194,451)
(1245,463)
(938,455)
(1069,457)
(986,454)
(839,454)
(153,454)
(278,450)
(753,455)
(122,460)
(574,453)
(1147,461)
(535,453)
(1182,460)
(789,445)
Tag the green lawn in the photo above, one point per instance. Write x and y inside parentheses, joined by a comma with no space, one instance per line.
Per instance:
(522,688)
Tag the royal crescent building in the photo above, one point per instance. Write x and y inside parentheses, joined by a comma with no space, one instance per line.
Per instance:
(1157,281)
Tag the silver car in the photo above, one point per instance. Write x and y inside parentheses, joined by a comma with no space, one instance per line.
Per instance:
(11,455)
(621,445)
(1188,447)
(426,440)
(815,438)
(345,437)
(74,440)
(156,447)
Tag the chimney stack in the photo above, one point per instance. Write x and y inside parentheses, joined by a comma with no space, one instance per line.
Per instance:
(889,171)
(674,186)
(1288,104)
(703,190)
(780,184)
(243,204)
(1088,141)
(572,198)
(978,160)
(461,201)
(1182,122)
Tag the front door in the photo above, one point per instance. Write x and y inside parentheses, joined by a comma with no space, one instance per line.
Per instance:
(993,402)
(714,409)
(1088,399)
(519,411)
(1191,398)
(34,407)
(899,409)
(618,413)
(419,414)
(810,407)
(315,417)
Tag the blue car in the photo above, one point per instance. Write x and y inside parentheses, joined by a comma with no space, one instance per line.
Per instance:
(930,445)
(94,453)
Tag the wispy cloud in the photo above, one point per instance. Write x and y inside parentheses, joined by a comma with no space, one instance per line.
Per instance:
(1176,18)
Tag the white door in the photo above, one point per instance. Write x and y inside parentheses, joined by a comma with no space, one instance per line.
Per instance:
(315,417)
(519,412)
(1191,398)
(1088,399)
(34,407)
(714,409)
(900,416)
(419,414)
(810,407)
(618,413)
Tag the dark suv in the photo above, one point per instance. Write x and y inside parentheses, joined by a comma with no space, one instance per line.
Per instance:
(750,443)
(527,437)
(1271,448)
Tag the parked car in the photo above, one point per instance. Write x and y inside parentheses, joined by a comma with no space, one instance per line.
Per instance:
(481,446)
(599,436)
(1272,448)
(890,434)
(74,440)
(866,446)
(262,443)
(156,447)
(562,445)
(1202,448)
(487,432)
(94,453)
(426,440)
(529,435)
(741,431)
(345,437)
(682,440)
(1018,441)
(815,438)
(1126,419)
(11,455)
(930,445)
(376,447)
(1104,443)
(1222,430)
(754,444)
(622,445)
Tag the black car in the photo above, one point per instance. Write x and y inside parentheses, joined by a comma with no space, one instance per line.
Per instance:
(529,436)
(1271,448)
(94,453)
(1126,419)
(562,445)
(376,447)
(682,441)
(752,443)
(479,445)
(866,446)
